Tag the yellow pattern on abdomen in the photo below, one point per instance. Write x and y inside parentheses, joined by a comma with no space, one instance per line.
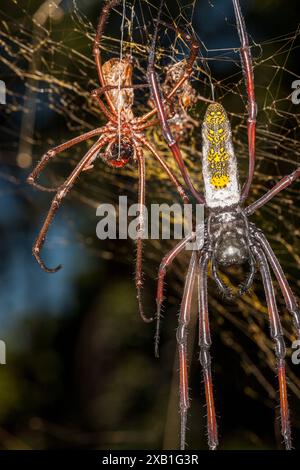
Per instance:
(219,165)
(217,135)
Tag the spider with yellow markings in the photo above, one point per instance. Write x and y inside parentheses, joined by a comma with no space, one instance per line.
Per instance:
(229,239)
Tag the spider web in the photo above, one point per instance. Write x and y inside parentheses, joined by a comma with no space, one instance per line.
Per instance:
(46,62)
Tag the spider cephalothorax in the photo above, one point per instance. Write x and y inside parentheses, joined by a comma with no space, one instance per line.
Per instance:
(229,238)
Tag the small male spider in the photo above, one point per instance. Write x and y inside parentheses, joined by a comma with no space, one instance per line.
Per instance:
(123,137)
(180,122)
(229,239)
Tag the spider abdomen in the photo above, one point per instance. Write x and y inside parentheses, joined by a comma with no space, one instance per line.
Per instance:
(219,164)
(232,249)
(119,72)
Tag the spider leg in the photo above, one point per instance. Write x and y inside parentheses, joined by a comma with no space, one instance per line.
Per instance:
(157,98)
(165,263)
(109,5)
(55,151)
(282,184)
(182,335)
(141,127)
(169,172)
(205,357)
(194,49)
(226,291)
(243,288)
(95,94)
(139,257)
(61,193)
(290,299)
(250,278)
(153,111)
(192,41)
(277,336)
(247,65)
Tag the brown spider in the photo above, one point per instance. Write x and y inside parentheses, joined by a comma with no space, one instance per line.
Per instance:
(123,137)
(180,122)
(229,239)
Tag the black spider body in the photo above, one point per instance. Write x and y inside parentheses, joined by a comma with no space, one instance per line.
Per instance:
(229,236)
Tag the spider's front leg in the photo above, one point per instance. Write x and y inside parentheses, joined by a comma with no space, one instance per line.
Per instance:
(61,193)
(108,6)
(51,154)
(247,65)
(138,141)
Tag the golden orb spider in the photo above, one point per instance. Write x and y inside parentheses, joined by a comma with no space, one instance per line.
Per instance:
(229,239)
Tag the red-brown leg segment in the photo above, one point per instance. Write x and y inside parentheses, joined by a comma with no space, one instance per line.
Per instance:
(170,139)
(182,335)
(61,193)
(95,94)
(282,184)
(205,357)
(277,336)
(194,49)
(165,167)
(142,140)
(55,151)
(247,65)
(140,234)
(166,261)
(109,5)
(290,299)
